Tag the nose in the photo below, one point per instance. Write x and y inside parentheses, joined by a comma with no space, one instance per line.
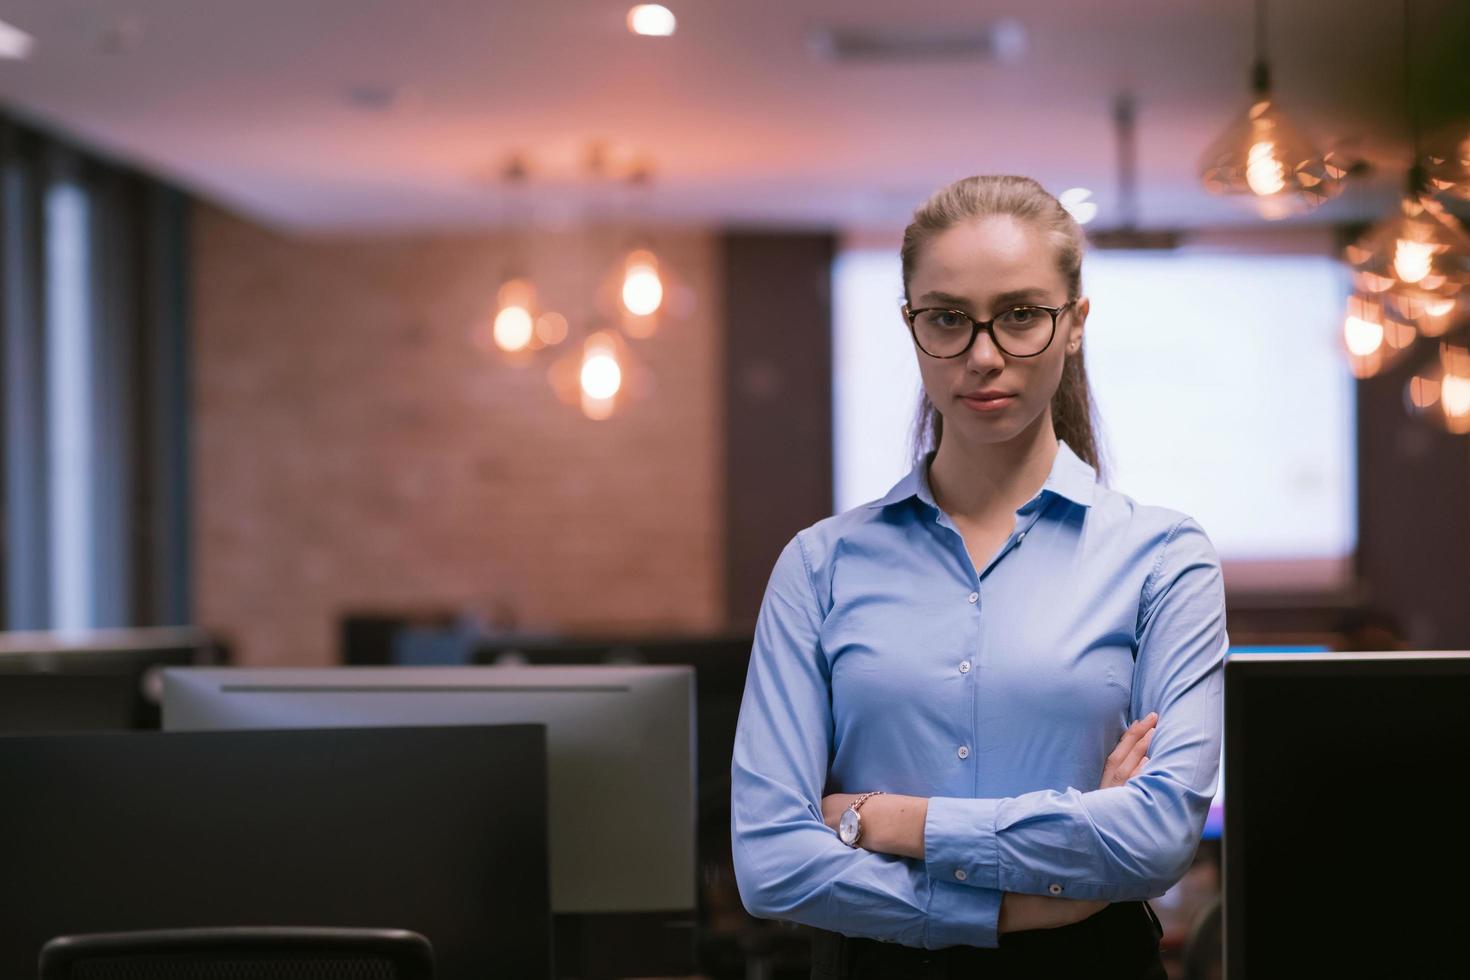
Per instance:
(984,356)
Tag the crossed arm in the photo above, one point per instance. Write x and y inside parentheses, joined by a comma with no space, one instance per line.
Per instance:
(983,860)
(894,824)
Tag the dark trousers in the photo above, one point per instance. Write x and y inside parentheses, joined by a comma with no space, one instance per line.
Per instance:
(1120,941)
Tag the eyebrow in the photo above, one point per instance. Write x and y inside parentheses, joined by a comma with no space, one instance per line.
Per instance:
(1015,295)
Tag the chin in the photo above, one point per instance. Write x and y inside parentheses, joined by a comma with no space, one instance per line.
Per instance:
(987,431)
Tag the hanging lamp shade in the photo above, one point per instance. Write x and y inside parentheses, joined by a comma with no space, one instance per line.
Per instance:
(1374,336)
(1440,392)
(1447,163)
(1419,257)
(1264,157)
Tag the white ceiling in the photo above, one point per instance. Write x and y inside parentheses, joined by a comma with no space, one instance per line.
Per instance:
(246,102)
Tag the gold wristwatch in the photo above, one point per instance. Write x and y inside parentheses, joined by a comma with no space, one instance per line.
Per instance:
(850,827)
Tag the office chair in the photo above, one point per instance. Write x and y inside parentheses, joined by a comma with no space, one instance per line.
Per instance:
(243,953)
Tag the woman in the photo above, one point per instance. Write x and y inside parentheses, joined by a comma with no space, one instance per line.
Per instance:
(934,748)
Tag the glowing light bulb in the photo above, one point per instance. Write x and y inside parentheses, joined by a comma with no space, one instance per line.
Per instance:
(643,291)
(1454,395)
(601,377)
(1362,337)
(1263,172)
(651,20)
(513,327)
(1411,260)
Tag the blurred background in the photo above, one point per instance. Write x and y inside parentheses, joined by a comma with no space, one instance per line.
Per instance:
(400,333)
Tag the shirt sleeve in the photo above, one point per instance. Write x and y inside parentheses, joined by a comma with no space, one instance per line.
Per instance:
(1126,842)
(788,863)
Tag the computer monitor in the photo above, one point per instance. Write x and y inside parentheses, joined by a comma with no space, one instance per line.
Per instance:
(720,663)
(441,831)
(621,777)
(1215,820)
(104,680)
(1344,835)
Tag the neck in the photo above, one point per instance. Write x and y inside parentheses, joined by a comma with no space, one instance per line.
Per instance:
(973,480)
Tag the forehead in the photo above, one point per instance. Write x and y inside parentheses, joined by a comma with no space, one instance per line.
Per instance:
(982,258)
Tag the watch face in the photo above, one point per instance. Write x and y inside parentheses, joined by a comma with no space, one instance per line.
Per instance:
(848,827)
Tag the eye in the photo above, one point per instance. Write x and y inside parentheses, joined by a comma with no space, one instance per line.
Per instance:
(944,319)
(1022,317)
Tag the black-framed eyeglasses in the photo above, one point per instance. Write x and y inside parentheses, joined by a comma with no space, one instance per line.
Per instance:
(1021,331)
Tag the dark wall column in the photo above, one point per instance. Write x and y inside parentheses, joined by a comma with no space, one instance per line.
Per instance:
(164,597)
(1414,516)
(25,602)
(778,402)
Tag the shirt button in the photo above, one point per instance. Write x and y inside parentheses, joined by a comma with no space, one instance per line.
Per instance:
(1054,888)
(974,597)
(1020,537)
(964,666)
(963,752)
(959,874)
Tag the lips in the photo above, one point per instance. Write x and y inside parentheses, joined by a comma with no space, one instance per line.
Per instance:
(988,401)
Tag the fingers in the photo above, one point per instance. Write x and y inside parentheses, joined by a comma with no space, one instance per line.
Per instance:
(1131,735)
(1129,767)
(1123,762)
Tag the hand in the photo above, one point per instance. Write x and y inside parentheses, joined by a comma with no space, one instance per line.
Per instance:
(833,805)
(1019,913)
(1130,758)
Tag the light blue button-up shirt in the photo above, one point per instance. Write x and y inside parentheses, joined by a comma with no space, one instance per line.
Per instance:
(884,659)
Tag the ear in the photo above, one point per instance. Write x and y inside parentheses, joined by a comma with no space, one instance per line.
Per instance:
(1076,323)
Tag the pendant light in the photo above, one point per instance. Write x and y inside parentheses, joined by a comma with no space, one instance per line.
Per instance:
(1447,162)
(1440,392)
(1374,336)
(1418,260)
(518,325)
(639,281)
(1412,271)
(594,367)
(1263,156)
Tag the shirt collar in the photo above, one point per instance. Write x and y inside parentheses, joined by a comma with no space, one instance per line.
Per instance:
(1071,477)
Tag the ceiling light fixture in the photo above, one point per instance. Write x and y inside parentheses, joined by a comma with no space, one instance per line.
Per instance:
(1003,40)
(1447,163)
(651,20)
(15,44)
(1262,155)
(1412,276)
(1415,265)
(1075,200)
(594,365)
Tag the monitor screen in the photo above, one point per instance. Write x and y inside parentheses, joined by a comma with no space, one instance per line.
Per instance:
(620,747)
(404,828)
(1342,844)
(1215,822)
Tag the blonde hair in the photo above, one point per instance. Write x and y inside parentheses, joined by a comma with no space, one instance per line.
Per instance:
(1072,408)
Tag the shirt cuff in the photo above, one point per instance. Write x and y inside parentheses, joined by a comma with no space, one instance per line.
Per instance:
(960,845)
(961,916)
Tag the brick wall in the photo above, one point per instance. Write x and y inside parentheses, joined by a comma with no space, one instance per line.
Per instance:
(353,449)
